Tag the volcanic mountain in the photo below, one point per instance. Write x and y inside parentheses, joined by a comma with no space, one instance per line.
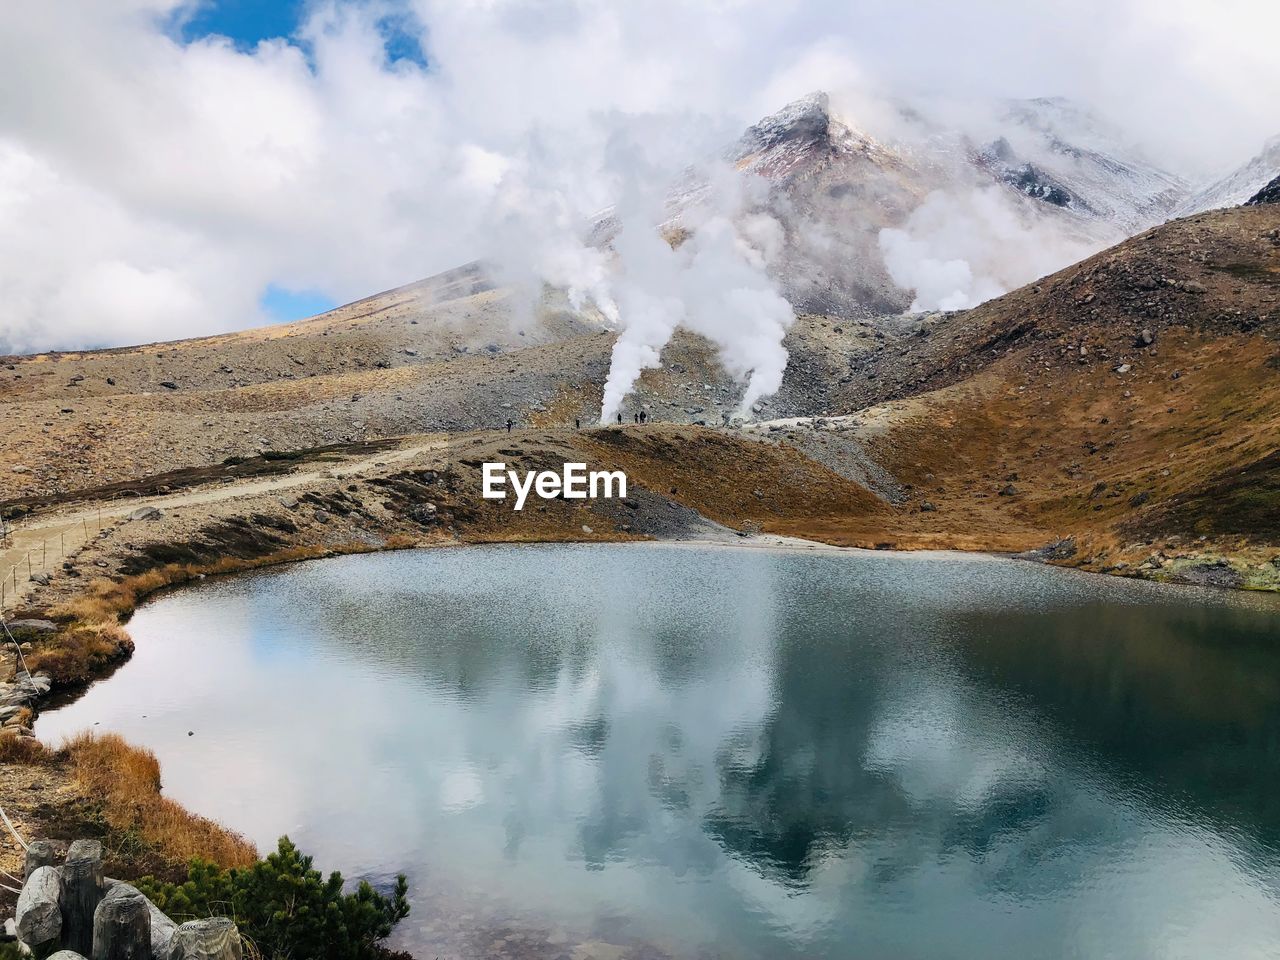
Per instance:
(1046,166)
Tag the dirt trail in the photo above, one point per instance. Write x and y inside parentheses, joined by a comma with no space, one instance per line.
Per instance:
(41,543)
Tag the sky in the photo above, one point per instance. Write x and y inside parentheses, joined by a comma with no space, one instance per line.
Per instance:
(246,22)
(178,167)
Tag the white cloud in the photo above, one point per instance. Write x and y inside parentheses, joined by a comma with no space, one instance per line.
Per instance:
(153,189)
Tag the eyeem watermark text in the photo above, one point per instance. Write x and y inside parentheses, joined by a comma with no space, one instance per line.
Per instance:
(575,482)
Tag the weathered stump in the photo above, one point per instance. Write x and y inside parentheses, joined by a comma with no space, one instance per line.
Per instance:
(122,925)
(214,939)
(162,928)
(82,891)
(40,853)
(39,916)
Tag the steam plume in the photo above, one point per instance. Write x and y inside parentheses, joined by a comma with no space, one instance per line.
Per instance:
(646,270)
(959,249)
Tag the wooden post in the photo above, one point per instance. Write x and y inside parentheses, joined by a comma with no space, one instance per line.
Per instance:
(39,914)
(44,554)
(62,539)
(122,925)
(162,928)
(85,521)
(214,939)
(82,890)
(40,853)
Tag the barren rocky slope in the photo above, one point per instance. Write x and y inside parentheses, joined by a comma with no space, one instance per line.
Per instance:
(382,368)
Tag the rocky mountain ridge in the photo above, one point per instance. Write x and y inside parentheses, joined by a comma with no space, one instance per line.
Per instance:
(1268,194)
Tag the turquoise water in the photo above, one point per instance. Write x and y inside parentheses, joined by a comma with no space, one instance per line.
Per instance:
(667,751)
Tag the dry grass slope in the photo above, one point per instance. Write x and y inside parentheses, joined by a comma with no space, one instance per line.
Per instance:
(127,781)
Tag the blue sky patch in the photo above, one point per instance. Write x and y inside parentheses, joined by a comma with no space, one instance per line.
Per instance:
(248,22)
(285,306)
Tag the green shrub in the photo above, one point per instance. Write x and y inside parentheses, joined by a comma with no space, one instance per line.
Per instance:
(286,907)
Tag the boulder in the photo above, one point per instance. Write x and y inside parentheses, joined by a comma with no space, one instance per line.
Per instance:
(146,513)
(32,627)
(423,512)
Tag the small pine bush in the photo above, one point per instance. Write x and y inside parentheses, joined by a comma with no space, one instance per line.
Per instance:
(286,907)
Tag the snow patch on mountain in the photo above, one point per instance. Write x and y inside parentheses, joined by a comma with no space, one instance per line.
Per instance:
(1063,154)
(1268,194)
(1239,185)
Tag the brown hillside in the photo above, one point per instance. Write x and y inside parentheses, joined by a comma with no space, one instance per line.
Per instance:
(1131,402)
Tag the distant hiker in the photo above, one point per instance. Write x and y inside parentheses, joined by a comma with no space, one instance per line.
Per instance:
(577,424)
(510,424)
(635,418)
(619,417)
(642,416)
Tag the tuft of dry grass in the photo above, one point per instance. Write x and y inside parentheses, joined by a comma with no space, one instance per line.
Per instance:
(126,780)
(112,601)
(82,652)
(18,749)
(107,601)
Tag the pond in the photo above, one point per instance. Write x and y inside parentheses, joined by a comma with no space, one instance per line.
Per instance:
(649,751)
